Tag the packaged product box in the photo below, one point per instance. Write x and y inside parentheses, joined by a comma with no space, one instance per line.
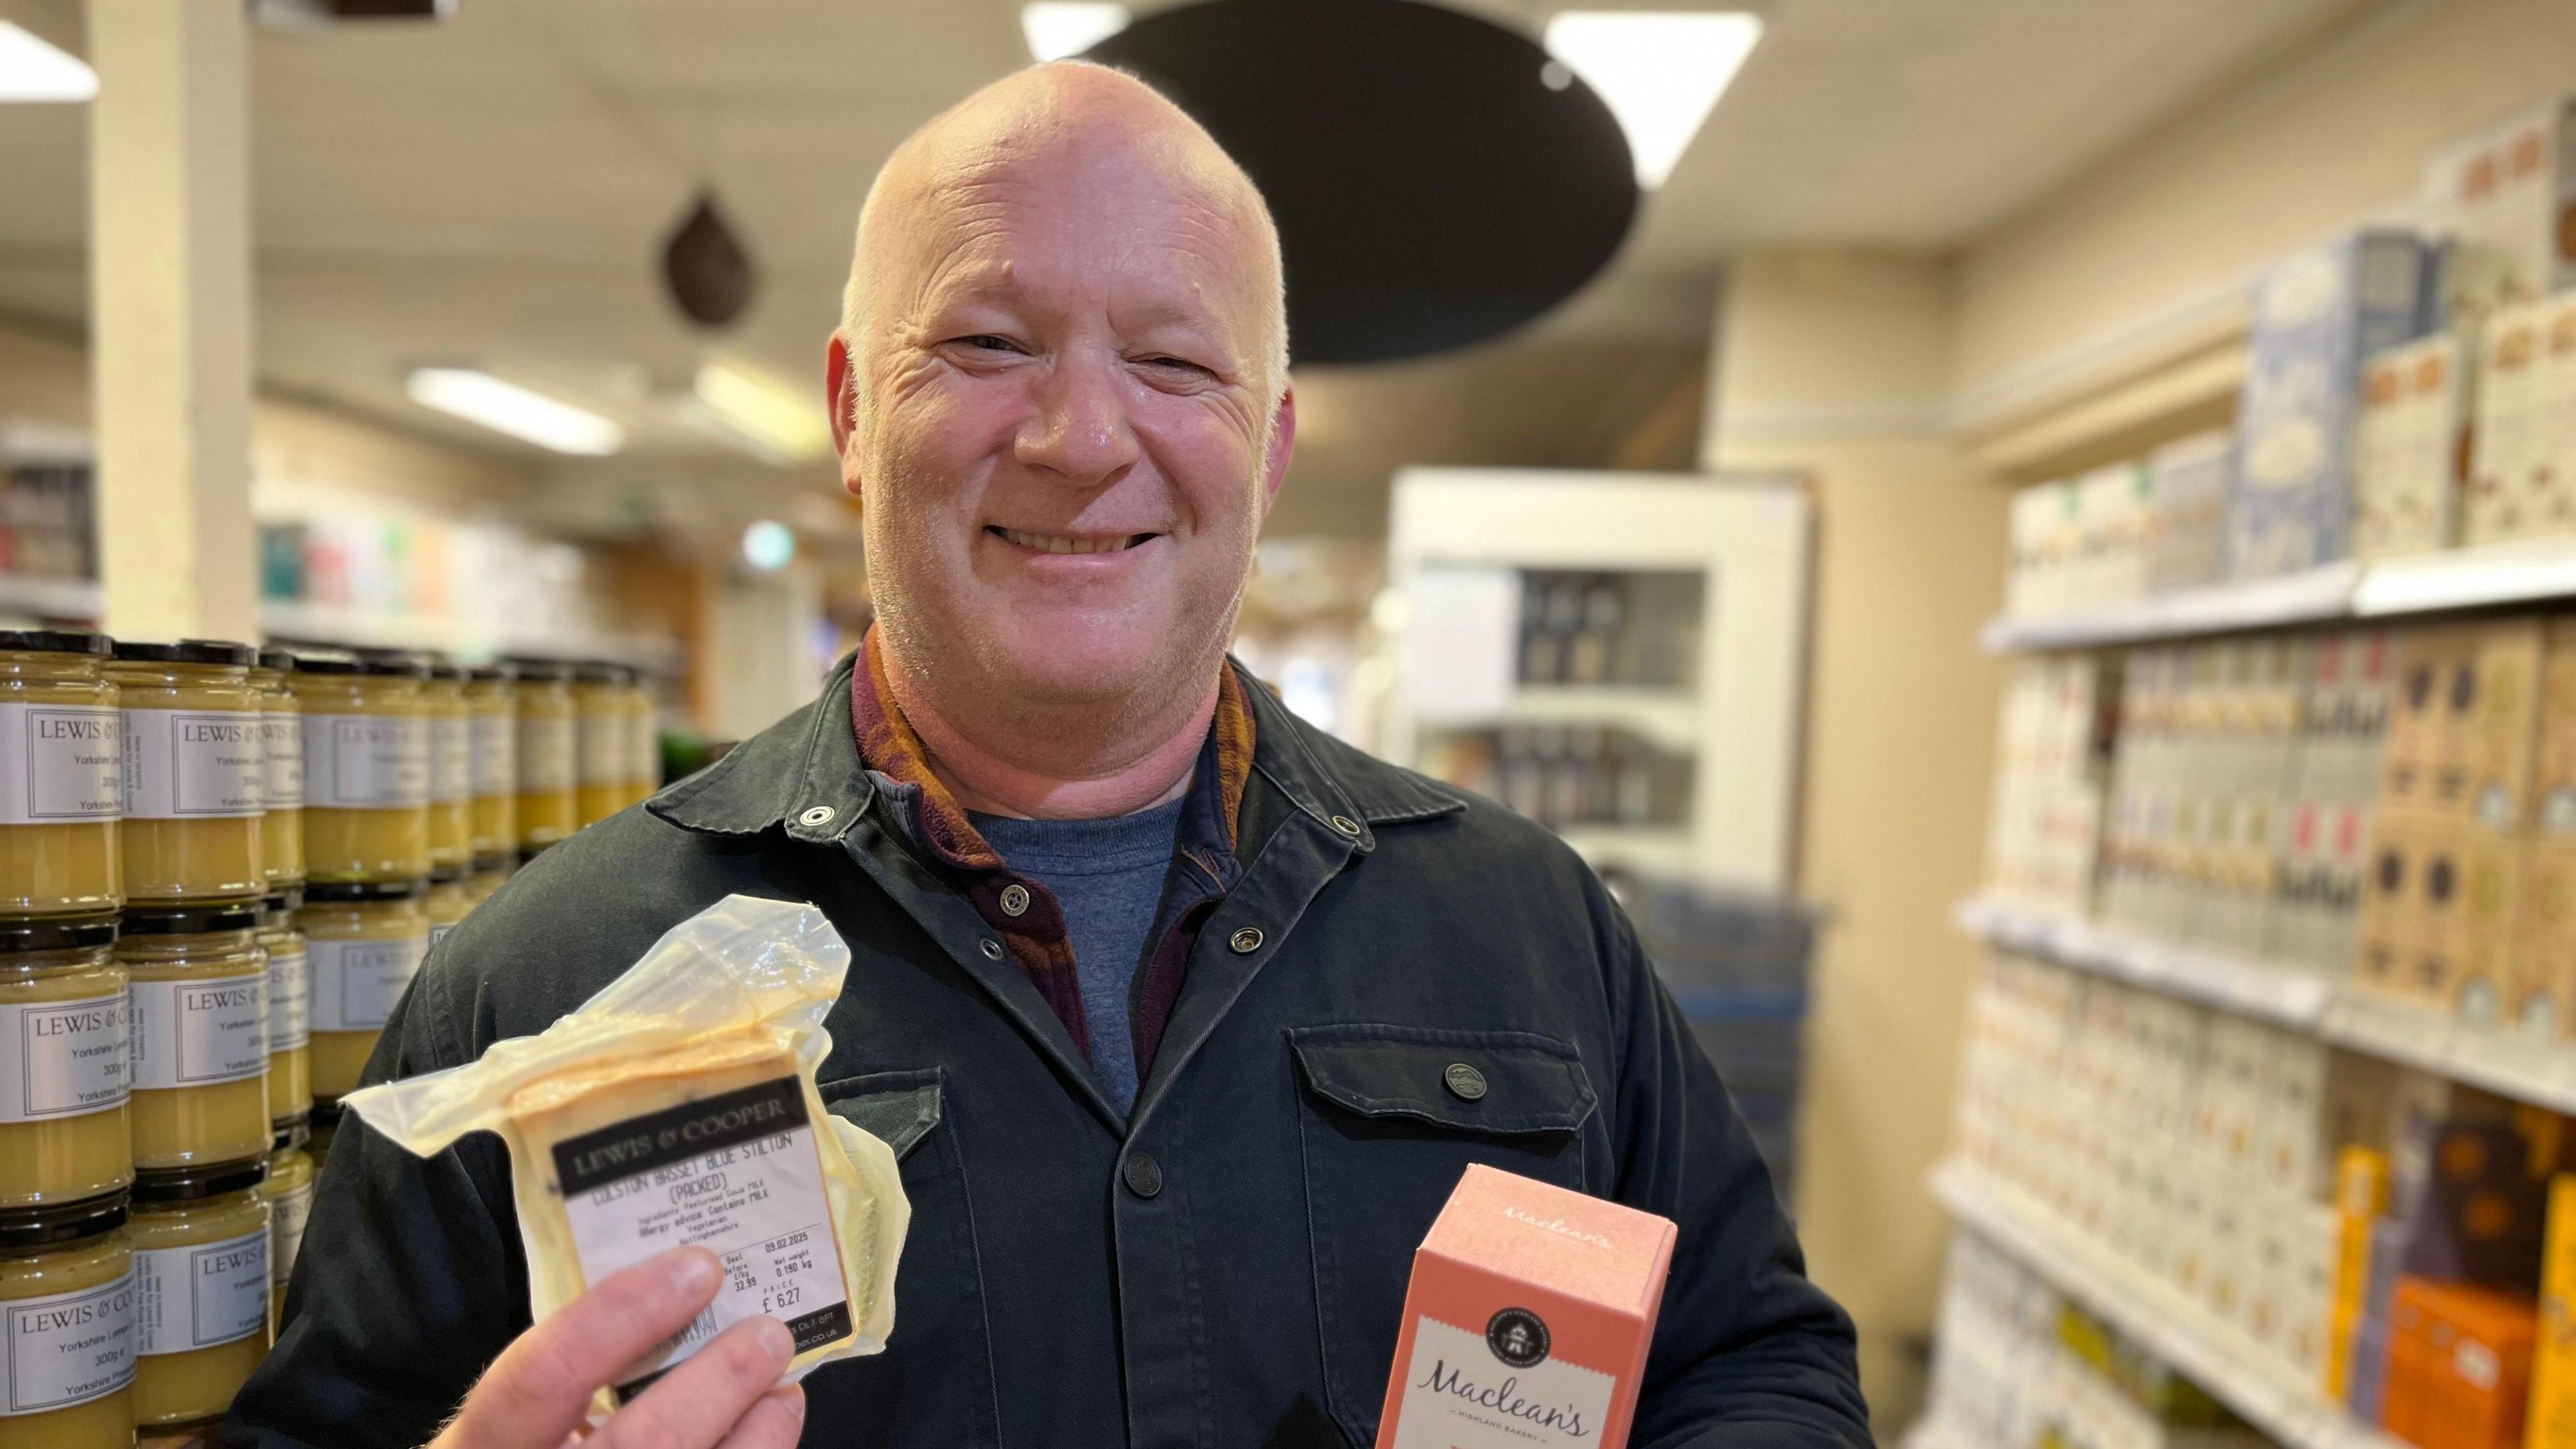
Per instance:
(2552,1422)
(2423,766)
(2555,752)
(2504,192)
(2553,439)
(2116,504)
(2500,501)
(2411,448)
(2485,929)
(2188,481)
(2291,1119)
(2543,996)
(2393,915)
(1527,1320)
(2504,722)
(2471,1364)
(2317,314)
(2361,1197)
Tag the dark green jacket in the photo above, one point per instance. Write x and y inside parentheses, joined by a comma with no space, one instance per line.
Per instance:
(1229,1267)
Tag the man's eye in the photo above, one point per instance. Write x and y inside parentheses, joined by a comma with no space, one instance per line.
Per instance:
(988,342)
(1182,363)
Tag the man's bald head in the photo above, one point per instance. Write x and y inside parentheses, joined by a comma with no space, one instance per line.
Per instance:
(1051,118)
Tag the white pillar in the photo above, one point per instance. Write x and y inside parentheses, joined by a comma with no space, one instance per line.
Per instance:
(170,353)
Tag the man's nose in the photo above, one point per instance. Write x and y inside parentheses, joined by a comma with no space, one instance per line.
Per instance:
(1081,432)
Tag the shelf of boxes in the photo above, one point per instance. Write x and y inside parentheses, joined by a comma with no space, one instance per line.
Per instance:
(2158,1315)
(2510,1065)
(1668,718)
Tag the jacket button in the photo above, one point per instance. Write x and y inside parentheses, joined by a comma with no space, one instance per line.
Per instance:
(1143,1174)
(1346,825)
(1464,1082)
(819,815)
(1246,941)
(991,948)
(1015,899)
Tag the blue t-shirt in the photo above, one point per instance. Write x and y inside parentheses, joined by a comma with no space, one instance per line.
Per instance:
(1108,877)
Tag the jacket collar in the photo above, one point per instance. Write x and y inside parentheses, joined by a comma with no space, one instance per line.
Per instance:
(804,774)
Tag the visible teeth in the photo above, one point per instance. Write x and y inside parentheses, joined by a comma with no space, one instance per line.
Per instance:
(1052,543)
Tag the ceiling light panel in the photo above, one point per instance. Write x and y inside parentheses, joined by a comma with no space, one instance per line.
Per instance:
(1059,28)
(1660,72)
(32,70)
(506,407)
(778,419)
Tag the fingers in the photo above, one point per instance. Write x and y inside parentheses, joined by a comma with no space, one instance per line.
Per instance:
(773,1423)
(534,1395)
(698,1404)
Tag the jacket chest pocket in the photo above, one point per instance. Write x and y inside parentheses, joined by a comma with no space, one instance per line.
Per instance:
(1390,1118)
(933,1385)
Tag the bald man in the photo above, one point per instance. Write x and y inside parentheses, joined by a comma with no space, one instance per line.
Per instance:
(1181,1017)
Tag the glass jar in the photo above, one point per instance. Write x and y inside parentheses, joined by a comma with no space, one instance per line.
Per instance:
(366,766)
(63,1063)
(67,1291)
(549,808)
(289,1194)
(325,1126)
(281,736)
(446,903)
(603,732)
(643,742)
(62,794)
(197,985)
(365,942)
(200,1240)
(195,771)
(492,704)
(489,873)
(290,1000)
(451,767)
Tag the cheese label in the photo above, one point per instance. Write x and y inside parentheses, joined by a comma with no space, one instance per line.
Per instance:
(290,1000)
(200,1295)
(60,762)
(356,983)
(71,1058)
(496,754)
(282,760)
(191,764)
(545,753)
(69,1348)
(287,1214)
(1499,1389)
(365,761)
(451,757)
(198,1033)
(737,1174)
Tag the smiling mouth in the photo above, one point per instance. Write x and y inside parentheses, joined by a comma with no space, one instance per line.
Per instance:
(1058,543)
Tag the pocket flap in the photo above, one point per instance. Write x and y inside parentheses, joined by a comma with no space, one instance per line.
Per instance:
(897,1108)
(1477,1081)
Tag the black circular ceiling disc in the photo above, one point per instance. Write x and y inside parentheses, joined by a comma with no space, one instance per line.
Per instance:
(1432,187)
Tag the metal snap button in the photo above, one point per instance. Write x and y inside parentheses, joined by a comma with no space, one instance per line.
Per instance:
(1346,825)
(991,948)
(1464,1082)
(1246,941)
(1143,1174)
(819,815)
(1015,899)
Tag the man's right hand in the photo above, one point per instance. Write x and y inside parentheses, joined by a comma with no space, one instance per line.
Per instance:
(723,1397)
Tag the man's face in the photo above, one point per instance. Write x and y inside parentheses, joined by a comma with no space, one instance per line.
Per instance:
(1062,428)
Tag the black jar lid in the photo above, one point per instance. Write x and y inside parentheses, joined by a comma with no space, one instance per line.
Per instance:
(189,651)
(273,657)
(440,875)
(56,641)
(326,661)
(394,663)
(281,904)
(325,1116)
(58,933)
(528,853)
(341,892)
(191,920)
(50,1225)
(600,671)
(494,669)
(543,670)
(199,1181)
(294,1132)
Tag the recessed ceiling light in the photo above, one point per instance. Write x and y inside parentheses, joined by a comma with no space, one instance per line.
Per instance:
(778,421)
(32,70)
(1660,72)
(1059,28)
(768,545)
(506,407)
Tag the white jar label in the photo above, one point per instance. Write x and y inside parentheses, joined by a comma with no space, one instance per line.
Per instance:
(187,764)
(545,753)
(365,761)
(496,754)
(70,1348)
(603,749)
(199,1033)
(282,755)
(451,758)
(290,1005)
(200,1295)
(736,1174)
(356,983)
(288,1212)
(71,1058)
(60,762)
(1466,1390)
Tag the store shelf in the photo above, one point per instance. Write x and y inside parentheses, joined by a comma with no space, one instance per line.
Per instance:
(1668,717)
(2521,572)
(380,629)
(42,598)
(2167,1322)
(2524,1068)
(2274,994)
(2302,598)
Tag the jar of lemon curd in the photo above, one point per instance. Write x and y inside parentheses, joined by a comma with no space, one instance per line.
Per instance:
(549,806)
(61,790)
(67,1290)
(364,942)
(281,732)
(451,767)
(197,985)
(200,1239)
(366,766)
(196,771)
(64,1068)
(492,704)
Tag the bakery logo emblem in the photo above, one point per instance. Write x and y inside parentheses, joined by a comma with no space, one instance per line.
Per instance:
(1517,1337)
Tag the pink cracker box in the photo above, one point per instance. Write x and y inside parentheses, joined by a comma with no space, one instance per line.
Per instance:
(1528,1320)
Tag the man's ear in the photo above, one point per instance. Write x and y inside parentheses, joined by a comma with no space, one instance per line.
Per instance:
(1283,442)
(840,384)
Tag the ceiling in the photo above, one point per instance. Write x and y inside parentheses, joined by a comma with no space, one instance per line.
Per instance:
(493,191)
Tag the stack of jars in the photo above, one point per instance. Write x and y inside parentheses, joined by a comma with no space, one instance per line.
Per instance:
(134,1047)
